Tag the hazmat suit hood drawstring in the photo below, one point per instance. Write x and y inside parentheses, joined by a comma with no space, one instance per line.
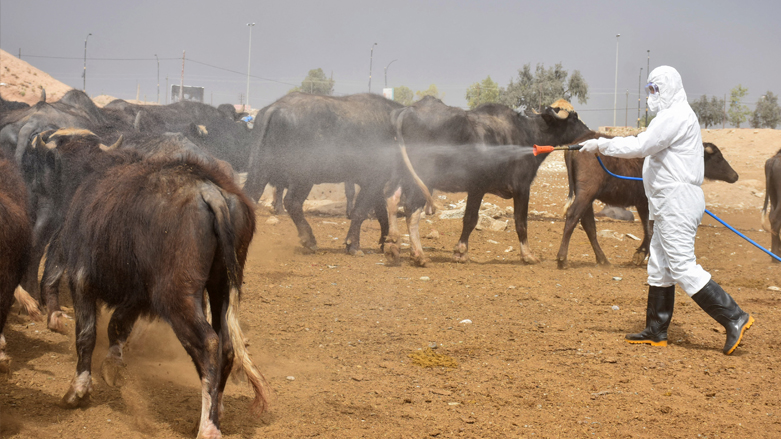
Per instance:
(670,86)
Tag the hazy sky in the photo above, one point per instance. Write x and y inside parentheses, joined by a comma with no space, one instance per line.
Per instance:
(715,45)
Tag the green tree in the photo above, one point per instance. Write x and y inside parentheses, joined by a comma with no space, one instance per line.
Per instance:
(737,113)
(536,90)
(710,112)
(316,83)
(484,92)
(403,95)
(767,114)
(430,91)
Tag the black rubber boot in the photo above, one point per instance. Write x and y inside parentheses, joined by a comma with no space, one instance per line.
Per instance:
(723,308)
(659,312)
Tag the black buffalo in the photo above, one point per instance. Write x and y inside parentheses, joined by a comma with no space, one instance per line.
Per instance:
(15,240)
(497,168)
(147,238)
(589,182)
(302,140)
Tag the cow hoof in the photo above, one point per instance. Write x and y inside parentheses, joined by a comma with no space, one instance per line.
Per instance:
(113,371)
(562,264)
(355,252)
(639,258)
(57,322)
(72,400)
(530,259)
(392,254)
(5,363)
(419,261)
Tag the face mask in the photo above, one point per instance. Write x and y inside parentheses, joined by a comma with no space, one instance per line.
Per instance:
(654,102)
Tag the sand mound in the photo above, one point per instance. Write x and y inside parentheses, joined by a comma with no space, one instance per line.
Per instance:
(23,82)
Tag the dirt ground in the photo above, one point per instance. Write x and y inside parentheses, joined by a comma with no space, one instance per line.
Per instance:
(514,350)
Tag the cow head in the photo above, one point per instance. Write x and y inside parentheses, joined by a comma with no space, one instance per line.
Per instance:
(562,124)
(716,166)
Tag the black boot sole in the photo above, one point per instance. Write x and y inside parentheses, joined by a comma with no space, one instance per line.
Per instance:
(661,343)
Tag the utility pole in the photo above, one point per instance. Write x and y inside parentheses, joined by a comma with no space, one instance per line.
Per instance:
(158,79)
(648,69)
(167,90)
(615,90)
(639,94)
(626,110)
(371,56)
(249,55)
(181,86)
(84,74)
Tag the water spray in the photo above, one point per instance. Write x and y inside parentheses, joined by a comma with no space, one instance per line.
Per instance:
(542,149)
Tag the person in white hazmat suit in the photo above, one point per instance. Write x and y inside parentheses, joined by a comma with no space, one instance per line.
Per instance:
(673,171)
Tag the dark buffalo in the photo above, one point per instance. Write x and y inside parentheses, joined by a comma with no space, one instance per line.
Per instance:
(771,220)
(15,239)
(147,238)
(589,182)
(304,139)
(492,125)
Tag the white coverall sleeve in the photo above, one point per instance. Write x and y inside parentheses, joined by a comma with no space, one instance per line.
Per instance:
(658,136)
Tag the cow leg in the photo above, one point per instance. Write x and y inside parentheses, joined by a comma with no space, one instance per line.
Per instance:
(417,257)
(521,206)
(294,203)
(85,310)
(648,230)
(119,328)
(383,217)
(203,345)
(53,272)
(349,193)
(471,214)
(6,300)
(574,214)
(277,200)
(369,196)
(590,227)
(219,296)
(42,233)
(391,245)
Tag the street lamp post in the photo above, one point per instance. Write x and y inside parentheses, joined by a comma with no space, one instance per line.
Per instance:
(371,56)
(386,72)
(615,91)
(249,55)
(84,74)
(647,69)
(158,79)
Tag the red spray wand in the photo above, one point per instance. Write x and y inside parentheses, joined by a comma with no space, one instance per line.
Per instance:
(542,149)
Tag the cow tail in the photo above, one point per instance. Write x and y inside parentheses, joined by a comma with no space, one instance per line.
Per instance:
(257,175)
(227,239)
(569,162)
(27,302)
(430,209)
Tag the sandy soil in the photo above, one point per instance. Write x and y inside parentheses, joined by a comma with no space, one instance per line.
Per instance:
(518,350)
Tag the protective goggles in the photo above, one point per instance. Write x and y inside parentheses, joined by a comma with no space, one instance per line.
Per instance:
(651,88)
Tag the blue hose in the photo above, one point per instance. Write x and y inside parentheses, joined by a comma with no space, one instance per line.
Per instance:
(706,211)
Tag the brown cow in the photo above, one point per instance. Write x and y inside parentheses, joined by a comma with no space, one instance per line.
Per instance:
(147,237)
(589,182)
(771,220)
(15,241)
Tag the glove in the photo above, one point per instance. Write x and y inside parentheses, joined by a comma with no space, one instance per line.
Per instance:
(590,146)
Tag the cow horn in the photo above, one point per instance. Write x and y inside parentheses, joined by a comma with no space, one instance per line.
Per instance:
(137,122)
(37,142)
(116,144)
(561,114)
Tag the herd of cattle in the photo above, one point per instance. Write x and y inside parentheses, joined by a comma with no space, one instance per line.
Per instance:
(111,218)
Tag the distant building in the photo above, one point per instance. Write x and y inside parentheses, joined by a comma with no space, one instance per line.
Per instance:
(191,93)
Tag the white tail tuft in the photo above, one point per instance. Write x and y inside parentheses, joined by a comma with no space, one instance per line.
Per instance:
(28,303)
